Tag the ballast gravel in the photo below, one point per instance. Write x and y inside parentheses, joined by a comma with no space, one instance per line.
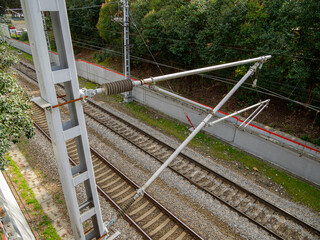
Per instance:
(43,160)
(205,215)
(239,224)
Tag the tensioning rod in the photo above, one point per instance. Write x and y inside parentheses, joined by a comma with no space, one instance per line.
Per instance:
(198,71)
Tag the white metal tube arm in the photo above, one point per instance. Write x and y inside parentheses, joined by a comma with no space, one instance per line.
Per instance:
(238,112)
(198,71)
(141,191)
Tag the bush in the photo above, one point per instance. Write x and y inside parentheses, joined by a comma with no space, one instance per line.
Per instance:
(316,141)
(15,36)
(306,138)
(24,37)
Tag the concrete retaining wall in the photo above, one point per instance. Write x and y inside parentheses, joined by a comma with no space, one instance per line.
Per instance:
(25,47)
(254,140)
(96,73)
(280,149)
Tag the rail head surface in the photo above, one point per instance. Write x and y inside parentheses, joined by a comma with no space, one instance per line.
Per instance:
(202,167)
(131,221)
(186,228)
(269,204)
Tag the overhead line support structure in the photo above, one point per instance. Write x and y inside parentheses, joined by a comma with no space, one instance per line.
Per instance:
(74,128)
(204,123)
(258,64)
(126,36)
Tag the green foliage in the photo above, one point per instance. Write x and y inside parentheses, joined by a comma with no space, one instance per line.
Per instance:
(316,141)
(87,84)
(9,4)
(15,36)
(45,225)
(308,139)
(24,37)
(197,33)
(83,21)
(15,107)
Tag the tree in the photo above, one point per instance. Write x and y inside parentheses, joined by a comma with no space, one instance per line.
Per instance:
(15,106)
(195,33)
(83,16)
(4,4)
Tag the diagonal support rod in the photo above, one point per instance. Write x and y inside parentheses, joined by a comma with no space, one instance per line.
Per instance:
(198,128)
(141,191)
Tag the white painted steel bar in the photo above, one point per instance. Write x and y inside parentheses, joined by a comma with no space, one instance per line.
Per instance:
(197,71)
(255,116)
(173,156)
(198,128)
(240,111)
(252,114)
(61,130)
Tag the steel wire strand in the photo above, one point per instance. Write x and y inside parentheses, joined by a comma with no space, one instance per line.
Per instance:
(268,92)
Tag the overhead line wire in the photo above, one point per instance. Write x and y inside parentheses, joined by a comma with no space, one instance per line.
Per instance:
(92,6)
(272,83)
(226,46)
(149,50)
(268,92)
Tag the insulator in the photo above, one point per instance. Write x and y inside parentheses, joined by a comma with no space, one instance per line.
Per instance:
(117,87)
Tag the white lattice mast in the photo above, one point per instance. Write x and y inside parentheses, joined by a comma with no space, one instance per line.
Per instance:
(126,41)
(72,129)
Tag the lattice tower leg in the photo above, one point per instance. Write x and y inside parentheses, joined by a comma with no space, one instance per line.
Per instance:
(72,129)
(127,73)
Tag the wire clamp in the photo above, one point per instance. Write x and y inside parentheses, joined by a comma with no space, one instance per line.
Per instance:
(140,193)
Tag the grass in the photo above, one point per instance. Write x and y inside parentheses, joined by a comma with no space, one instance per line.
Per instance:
(41,220)
(298,190)
(26,56)
(87,84)
(22,54)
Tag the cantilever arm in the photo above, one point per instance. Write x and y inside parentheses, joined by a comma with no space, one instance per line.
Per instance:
(198,128)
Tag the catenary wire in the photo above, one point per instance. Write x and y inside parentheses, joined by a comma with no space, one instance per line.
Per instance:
(205,75)
(149,50)
(226,46)
(263,90)
(92,6)
(276,88)
(275,84)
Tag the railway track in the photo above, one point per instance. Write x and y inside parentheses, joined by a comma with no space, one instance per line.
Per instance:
(148,216)
(277,222)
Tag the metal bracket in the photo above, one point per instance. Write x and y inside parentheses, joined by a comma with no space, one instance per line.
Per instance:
(42,103)
(90,92)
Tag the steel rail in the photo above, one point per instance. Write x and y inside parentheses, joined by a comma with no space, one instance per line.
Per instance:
(105,195)
(285,213)
(123,176)
(193,161)
(230,182)
(185,177)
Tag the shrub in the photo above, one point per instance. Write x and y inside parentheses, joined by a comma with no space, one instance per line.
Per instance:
(24,37)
